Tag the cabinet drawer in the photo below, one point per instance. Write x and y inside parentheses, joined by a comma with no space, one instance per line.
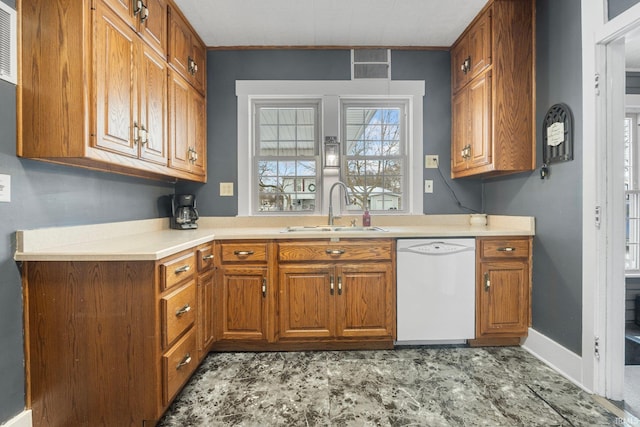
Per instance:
(366,250)
(178,312)
(243,252)
(504,248)
(176,270)
(204,254)
(177,365)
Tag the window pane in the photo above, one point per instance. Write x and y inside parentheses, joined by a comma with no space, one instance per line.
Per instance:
(286,154)
(374,157)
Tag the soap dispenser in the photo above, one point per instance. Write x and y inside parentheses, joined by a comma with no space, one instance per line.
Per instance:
(366,217)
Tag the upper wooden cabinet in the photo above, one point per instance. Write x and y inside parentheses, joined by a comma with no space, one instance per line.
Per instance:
(94,89)
(187,54)
(493,102)
(148,18)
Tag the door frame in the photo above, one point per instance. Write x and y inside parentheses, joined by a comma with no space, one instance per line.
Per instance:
(603,197)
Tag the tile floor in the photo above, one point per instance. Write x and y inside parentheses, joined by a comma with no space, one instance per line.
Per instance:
(403,387)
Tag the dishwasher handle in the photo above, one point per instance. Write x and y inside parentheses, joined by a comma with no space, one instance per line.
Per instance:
(437,248)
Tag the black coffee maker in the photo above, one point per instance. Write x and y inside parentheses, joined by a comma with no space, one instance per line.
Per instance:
(183,212)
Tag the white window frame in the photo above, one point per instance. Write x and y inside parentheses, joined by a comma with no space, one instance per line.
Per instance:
(632,193)
(291,103)
(376,103)
(330,92)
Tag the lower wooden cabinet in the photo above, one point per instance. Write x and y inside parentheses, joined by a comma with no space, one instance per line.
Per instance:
(112,342)
(245,294)
(206,296)
(503,290)
(337,291)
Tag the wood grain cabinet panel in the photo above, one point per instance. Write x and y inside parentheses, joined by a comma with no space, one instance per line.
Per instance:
(94,89)
(106,343)
(186,52)
(503,290)
(337,291)
(493,88)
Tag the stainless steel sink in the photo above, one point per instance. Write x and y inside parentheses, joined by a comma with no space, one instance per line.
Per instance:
(330,228)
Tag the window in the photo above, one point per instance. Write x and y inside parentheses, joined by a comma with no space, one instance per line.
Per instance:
(375,161)
(280,128)
(286,160)
(632,193)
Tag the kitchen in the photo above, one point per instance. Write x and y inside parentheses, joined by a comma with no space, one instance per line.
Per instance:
(48,195)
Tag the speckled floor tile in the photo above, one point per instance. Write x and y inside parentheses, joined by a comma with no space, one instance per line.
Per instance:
(403,387)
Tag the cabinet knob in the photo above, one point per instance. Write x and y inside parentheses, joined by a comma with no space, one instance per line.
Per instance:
(264,286)
(487,282)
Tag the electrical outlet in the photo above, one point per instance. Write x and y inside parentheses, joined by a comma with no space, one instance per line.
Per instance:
(431,161)
(428,186)
(226,189)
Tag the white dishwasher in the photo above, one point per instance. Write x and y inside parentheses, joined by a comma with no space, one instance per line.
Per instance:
(435,291)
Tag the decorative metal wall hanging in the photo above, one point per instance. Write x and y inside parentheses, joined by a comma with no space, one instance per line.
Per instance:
(557,137)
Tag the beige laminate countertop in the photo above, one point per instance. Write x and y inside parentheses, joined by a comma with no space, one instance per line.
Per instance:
(153,239)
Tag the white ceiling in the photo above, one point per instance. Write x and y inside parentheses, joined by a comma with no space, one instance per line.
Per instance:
(391,23)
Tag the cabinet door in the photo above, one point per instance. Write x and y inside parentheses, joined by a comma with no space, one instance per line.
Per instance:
(459,54)
(480,120)
(199,57)
(459,131)
(153,106)
(115,89)
(178,123)
(479,47)
(241,304)
(205,313)
(179,43)
(154,27)
(365,300)
(306,301)
(197,135)
(503,299)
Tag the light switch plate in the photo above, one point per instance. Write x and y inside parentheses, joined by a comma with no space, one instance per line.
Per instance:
(5,188)
(226,189)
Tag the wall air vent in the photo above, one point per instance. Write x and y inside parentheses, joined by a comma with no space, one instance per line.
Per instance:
(370,64)
(8,44)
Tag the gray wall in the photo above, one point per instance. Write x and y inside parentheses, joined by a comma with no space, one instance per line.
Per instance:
(556,202)
(44,195)
(225,67)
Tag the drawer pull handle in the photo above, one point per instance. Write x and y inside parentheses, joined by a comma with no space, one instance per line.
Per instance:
(506,249)
(331,284)
(243,253)
(183,269)
(184,362)
(183,310)
(207,257)
(339,285)
(335,251)
(264,286)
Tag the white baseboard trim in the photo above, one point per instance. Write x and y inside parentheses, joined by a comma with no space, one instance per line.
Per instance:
(23,419)
(562,360)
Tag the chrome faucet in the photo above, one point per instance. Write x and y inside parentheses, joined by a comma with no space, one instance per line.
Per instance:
(346,199)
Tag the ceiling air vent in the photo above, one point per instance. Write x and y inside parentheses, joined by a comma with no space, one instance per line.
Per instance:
(8,44)
(370,64)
